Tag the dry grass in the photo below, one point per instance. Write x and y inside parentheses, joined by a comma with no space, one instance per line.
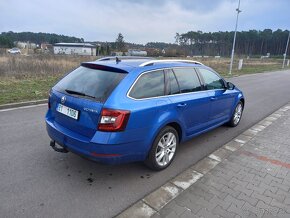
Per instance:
(25,78)
(20,66)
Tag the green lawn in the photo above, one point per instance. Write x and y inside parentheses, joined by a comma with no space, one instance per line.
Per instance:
(27,89)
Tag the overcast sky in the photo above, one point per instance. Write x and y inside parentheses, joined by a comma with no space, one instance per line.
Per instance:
(140,21)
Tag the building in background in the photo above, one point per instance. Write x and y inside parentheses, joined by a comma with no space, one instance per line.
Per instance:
(75,49)
(136,52)
(25,45)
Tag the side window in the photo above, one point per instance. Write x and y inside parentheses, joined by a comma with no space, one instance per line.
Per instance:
(174,88)
(149,85)
(187,79)
(211,80)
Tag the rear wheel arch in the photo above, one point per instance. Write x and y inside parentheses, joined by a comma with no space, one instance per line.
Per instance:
(172,124)
(161,156)
(177,127)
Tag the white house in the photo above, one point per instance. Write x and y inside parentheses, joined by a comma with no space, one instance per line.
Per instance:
(75,49)
(136,52)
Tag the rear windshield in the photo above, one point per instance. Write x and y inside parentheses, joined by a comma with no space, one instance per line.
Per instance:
(90,83)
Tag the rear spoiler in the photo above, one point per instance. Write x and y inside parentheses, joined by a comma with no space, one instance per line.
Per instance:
(102,67)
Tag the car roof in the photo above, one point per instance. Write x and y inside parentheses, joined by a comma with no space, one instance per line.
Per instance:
(142,63)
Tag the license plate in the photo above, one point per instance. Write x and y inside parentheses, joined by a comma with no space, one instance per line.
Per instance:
(67,111)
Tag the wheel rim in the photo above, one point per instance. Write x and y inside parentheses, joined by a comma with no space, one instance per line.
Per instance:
(166,148)
(238,114)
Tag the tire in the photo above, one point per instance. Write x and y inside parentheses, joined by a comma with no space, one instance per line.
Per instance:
(237,115)
(162,151)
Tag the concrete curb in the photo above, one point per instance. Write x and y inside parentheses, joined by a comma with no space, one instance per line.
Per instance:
(22,104)
(156,200)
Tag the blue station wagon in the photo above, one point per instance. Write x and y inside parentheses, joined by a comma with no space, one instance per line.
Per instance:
(119,109)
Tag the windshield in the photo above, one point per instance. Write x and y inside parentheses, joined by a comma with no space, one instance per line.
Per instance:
(91,83)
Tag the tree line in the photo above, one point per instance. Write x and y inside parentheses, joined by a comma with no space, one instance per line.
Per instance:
(8,38)
(252,42)
(193,43)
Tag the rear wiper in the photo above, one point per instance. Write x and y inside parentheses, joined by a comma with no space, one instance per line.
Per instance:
(78,93)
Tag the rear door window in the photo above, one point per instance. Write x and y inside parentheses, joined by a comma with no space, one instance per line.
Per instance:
(91,83)
(187,79)
(149,85)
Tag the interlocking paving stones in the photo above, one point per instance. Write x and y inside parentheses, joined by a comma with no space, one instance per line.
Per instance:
(247,177)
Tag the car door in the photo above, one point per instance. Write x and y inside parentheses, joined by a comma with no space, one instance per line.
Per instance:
(221,98)
(188,99)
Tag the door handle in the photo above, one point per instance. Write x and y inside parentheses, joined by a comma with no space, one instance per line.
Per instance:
(213,98)
(181,105)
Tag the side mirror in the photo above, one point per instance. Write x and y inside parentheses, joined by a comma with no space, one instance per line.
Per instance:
(230,86)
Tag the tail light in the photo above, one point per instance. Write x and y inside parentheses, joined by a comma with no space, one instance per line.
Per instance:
(113,120)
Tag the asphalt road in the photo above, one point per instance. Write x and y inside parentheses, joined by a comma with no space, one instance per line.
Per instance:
(35,181)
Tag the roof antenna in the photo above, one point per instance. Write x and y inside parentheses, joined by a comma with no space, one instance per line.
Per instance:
(117,60)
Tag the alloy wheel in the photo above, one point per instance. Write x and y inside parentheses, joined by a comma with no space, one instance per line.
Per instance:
(165,149)
(238,113)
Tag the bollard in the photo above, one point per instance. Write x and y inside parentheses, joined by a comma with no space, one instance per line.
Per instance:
(240,64)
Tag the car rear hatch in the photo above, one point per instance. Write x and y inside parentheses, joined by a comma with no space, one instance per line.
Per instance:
(77,100)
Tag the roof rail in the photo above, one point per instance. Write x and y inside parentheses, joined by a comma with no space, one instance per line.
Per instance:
(147,63)
(109,58)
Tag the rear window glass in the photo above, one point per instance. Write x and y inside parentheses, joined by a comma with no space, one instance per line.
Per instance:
(91,83)
(149,85)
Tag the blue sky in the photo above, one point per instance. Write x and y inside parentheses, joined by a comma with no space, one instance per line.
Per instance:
(140,21)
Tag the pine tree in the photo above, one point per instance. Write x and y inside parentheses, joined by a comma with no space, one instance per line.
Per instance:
(120,43)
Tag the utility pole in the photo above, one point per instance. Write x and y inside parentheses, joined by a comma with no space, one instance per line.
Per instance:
(285,54)
(234,42)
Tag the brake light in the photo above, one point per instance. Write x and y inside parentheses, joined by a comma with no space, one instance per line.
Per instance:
(113,120)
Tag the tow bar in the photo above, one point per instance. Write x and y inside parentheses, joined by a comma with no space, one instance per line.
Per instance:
(57,147)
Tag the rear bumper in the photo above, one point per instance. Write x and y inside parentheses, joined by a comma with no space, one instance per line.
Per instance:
(104,153)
